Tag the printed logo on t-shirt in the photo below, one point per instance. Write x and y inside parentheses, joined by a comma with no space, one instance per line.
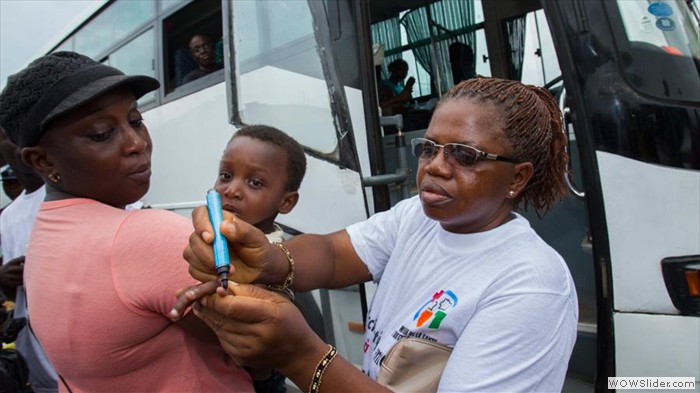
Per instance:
(435,310)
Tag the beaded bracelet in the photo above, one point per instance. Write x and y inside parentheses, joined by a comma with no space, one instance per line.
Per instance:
(321,368)
(290,276)
(286,292)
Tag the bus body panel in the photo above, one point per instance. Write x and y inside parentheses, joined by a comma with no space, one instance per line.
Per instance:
(640,174)
(657,346)
(652,213)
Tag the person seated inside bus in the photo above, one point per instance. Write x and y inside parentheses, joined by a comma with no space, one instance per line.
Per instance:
(259,176)
(395,95)
(203,52)
(461,61)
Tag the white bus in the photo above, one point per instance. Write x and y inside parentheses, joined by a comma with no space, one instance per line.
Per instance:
(626,73)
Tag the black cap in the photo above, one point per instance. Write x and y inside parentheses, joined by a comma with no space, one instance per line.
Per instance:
(55,84)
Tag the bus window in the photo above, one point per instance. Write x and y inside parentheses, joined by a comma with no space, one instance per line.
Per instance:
(540,64)
(442,44)
(67,45)
(167,4)
(112,25)
(655,36)
(483,66)
(439,42)
(280,74)
(201,19)
(137,57)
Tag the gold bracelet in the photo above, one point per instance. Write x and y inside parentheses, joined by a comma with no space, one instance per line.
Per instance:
(290,276)
(321,368)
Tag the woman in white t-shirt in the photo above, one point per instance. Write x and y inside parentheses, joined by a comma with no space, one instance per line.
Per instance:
(455,265)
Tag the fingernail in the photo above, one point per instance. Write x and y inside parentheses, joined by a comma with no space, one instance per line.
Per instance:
(174,315)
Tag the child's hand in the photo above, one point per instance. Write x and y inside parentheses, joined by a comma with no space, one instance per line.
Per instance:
(187,296)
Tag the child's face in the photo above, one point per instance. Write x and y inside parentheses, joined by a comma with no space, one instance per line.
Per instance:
(251,181)
(466,199)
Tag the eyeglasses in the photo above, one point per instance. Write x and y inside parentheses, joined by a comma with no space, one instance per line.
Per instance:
(201,48)
(463,155)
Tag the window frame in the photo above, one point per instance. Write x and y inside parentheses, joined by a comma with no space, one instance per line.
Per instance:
(161,14)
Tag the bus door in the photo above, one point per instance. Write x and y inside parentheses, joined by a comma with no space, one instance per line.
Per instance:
(632,89)
(445,42)
(295,66)
(520,47)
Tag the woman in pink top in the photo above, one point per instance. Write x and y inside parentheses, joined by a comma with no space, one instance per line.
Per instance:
(99,278)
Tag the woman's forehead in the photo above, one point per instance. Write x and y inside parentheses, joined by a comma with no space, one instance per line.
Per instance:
(462,120)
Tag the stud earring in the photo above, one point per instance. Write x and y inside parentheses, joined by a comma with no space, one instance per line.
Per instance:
(55,177)
(511,193)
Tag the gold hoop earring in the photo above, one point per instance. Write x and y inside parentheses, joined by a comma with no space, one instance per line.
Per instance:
(55,177)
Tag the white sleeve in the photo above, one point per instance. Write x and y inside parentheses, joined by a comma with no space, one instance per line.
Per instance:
(514,343)
(374,240)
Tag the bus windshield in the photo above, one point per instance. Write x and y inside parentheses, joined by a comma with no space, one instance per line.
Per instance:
(660,35)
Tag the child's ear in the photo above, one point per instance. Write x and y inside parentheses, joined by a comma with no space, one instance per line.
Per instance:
(35,157)
(290,200)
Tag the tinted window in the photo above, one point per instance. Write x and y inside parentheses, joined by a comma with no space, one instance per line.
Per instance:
(657,36)
(202,18)
(114,24)
(137,58)
(281,81)
(166,4)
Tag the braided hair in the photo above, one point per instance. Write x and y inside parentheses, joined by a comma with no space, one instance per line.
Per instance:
(533,125)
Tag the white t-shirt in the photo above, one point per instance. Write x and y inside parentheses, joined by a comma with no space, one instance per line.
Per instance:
(503,299)
(16,224)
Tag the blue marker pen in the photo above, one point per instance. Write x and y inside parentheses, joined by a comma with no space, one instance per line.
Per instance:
(221,258)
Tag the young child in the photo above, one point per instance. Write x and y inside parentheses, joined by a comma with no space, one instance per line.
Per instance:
(259,177)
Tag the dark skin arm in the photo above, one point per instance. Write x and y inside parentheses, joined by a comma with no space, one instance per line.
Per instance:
(11,276)
(321,261)
(263,329)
